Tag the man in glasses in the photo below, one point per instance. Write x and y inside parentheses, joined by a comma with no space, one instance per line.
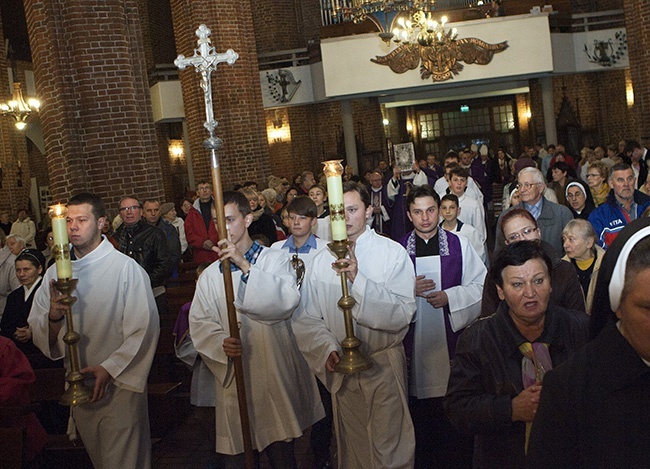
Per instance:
(146,244)
(519,225)
(551,217)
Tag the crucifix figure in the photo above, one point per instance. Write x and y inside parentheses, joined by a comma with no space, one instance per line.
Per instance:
(205,60)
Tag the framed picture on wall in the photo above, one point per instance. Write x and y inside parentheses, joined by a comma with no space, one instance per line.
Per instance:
(404,156)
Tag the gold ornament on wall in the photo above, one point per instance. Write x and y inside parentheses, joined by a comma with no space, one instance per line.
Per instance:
(427,43)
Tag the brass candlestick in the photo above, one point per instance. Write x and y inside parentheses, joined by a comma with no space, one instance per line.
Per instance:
(77,392)
(352,360)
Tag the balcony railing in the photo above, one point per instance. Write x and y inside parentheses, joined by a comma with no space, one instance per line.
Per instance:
(583,22)
(283,59)
(329,18)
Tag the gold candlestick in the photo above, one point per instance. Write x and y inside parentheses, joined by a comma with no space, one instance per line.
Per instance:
(352,360)
(77,392)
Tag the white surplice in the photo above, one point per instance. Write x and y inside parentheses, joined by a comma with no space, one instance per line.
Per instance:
(117,319)
(372,421)
(283,399)
(430,367)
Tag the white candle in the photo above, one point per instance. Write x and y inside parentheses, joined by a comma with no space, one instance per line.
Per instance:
(333,171)
(61,247)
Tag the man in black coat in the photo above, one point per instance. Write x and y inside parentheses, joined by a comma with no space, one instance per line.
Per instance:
(147,245)
(639,157)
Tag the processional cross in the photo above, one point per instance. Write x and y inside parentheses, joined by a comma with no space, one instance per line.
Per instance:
(205,60)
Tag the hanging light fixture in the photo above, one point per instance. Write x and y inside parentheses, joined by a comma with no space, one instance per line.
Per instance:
(420,27)
(18,108)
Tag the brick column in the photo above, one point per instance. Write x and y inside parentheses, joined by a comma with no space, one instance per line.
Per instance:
(236,90)
(12,149)
(90,72)
(637,15)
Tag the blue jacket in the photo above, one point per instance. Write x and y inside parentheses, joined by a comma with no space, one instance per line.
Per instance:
(608,218)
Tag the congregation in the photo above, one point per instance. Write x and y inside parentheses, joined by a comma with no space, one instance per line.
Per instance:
(475,275)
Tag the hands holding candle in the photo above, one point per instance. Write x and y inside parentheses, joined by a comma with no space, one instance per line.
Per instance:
(58,214)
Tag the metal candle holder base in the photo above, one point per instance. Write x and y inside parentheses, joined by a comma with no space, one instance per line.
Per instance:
(77,392)
(352,360)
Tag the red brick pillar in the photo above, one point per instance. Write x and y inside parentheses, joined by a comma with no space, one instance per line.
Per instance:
(12,149)
(90,72)
(236,90)
(637,16)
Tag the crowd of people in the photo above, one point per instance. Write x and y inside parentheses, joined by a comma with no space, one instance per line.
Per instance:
(461,318)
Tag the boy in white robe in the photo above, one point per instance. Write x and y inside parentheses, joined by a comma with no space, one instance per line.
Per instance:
(282,395)
(116,317)
(372,423)
(449,212)
(473,211)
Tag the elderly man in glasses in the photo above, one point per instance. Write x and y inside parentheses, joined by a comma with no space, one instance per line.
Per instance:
(551,217)
(147,244)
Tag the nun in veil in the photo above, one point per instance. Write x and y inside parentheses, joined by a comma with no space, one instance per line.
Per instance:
(594,409)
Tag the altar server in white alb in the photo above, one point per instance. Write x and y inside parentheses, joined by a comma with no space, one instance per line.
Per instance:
(372,422)
(282,396)
(116,316)
(449,287)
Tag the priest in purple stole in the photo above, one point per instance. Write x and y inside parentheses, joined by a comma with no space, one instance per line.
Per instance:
(449,286)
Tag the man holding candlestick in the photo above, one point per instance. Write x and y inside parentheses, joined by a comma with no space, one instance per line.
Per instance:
(371,418)
(116,317)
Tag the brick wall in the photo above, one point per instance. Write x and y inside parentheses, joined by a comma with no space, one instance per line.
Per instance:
(276,25)
(588,6)
(90,72)
(13,148)
(637,16)
(236,89)
(160,28)
(599,98)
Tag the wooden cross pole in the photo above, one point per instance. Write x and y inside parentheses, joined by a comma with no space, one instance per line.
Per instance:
(205,60)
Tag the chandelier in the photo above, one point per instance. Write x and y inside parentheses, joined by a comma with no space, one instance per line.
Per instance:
(423,29)
(18,108)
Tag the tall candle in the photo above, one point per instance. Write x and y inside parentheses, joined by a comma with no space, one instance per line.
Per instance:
(61,248)
(333,171)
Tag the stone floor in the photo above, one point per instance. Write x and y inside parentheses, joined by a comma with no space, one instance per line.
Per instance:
(191,445)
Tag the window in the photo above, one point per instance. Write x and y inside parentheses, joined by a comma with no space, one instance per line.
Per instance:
(429,126)
(504,120)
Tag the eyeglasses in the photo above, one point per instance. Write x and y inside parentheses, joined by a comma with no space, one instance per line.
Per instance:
(527,185)
(523,234)
(129,209)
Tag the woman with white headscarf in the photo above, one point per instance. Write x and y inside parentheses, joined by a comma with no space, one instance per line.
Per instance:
(579,199)
(594,409)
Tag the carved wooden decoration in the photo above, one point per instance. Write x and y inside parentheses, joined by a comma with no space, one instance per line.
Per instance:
(440,61)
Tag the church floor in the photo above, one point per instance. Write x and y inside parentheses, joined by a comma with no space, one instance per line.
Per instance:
(191,445)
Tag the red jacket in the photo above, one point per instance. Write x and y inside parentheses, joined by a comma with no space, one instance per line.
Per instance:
(196,235)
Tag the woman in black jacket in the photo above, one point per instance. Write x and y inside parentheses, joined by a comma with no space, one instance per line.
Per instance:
(29,269)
